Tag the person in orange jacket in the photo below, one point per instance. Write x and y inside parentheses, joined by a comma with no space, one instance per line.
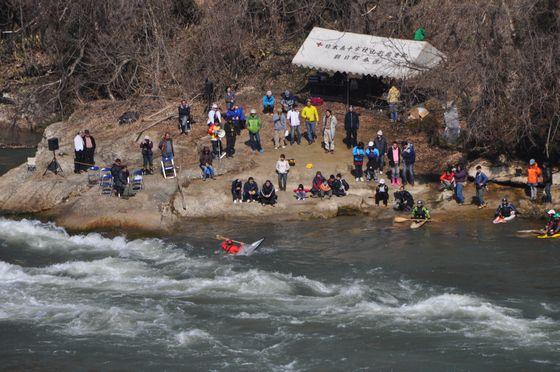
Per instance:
(230,247)
(533,174)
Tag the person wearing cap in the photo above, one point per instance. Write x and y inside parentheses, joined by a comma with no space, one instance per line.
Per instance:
(214,115)
(230,98)
(480,181)
(329,130)
(393,97)
(311,116)
(351,126)
(254,128)
(184,117)
(505,210)
(372,155)
(553,224)
(382,193)
(547,180)
(268,102)
(147,155)
(420,212)
(533,175)
(381,144)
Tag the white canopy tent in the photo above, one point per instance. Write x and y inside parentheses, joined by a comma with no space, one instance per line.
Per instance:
(346,52)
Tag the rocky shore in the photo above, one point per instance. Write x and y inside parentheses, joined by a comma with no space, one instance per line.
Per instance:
(164,205)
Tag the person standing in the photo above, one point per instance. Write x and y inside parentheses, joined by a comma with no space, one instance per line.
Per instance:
(533,175)
(394,155)
(329,130)
(282,168)
(166,147)
(480,181)
(293,117)
(184,117)
(380,143)
(147,155)
(231,136)
(359,153)
(280,126)
(89,149)
(254,128)
(214,131)
(393,99)
(351,126)
(268,102)
(460,181)
(408,158)
(310,115)
(78,153)
(230,98)
(547,180)
(372,154)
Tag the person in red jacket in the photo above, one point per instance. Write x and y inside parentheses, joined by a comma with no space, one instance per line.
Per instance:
(533,175)
(230,247)
(447,180)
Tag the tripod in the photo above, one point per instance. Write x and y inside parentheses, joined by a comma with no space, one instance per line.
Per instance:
(54,166)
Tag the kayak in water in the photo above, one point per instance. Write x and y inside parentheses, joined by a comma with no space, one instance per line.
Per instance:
(546,236)
(238,248)
(501,219)
(417,224)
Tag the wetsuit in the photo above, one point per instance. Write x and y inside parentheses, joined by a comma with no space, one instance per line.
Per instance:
(231,248)
(505,210)
(420,213)
(553,225)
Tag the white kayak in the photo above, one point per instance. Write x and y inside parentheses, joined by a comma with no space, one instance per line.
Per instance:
(247,250)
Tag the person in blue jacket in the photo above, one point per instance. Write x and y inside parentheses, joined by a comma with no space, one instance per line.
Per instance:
(480,181)
(237,116)
(409,158)
(359,153)
(268,102)
(372,154)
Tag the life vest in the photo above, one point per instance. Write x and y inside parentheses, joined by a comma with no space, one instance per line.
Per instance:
(230,248)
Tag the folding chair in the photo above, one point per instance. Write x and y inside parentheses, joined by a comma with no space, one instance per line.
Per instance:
(168,167)
(106,184)
(137,180)
(94,175)
(31,164)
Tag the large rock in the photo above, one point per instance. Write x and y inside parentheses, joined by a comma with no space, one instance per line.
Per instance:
(514,172)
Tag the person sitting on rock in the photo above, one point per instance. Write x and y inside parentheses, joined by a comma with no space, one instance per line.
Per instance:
(268,194)
(166,147)
(316,184)
(237,191)
(301,192)
(250,191)
(382,193)
(340,186)
(403,200)
(325,190)
(447,180)
(205,163)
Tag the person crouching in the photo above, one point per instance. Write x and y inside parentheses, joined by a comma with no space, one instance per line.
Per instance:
(268,194)
(382,193)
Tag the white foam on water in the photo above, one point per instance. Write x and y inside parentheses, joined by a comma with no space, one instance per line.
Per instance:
(187,338)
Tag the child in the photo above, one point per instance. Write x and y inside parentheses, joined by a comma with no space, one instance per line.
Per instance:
(382,193)
(325,190)
(301,192)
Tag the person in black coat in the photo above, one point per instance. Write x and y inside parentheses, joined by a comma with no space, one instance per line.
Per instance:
(250,190)
(547,181)
(380,143)
(351,126)
(237,190)
(231,135)
(121,181)
(268,194)
(340,186)
(184,117)
(403,200)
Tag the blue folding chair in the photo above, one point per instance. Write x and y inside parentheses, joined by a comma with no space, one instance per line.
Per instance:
(106,184)
(94,175)
(137,180)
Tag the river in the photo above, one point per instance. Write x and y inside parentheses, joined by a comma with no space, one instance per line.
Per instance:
(338,295)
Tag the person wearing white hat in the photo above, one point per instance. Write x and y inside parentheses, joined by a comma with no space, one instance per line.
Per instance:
(382,193)
(147,155)
(268,102)
(214,115)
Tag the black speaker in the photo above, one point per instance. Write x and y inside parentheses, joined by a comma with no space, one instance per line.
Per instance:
(53,144)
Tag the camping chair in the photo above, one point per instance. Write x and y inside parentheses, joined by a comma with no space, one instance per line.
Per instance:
(106,184)
(137,180)
(168,167)
(31,164)
(94,175)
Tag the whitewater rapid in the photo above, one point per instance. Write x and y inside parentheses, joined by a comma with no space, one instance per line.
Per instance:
(160,291)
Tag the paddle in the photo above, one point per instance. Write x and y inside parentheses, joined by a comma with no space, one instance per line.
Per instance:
(220,237)
(537,232)
(399,219)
